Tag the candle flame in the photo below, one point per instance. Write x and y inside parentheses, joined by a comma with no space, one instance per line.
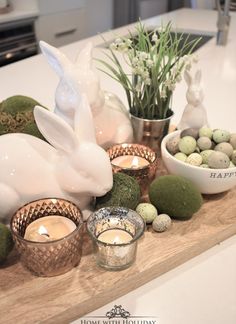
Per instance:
(42,230)
(135,163)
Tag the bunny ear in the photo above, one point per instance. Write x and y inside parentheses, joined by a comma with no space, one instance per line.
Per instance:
(56,131)
(84,58)
(198,76)
(56,58)
(188,77)
(83,122)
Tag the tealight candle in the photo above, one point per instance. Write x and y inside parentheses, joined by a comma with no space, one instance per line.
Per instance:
(138,161)
(115,232)
(49,228)
(130,162)
(115,236)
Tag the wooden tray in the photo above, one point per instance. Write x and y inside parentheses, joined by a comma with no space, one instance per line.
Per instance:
(28,299)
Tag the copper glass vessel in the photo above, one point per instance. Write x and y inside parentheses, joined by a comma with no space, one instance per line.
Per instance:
(49,258)
(144,174)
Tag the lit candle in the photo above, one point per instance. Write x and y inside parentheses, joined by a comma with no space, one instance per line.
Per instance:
(130,162)
(49,228)
(115,236)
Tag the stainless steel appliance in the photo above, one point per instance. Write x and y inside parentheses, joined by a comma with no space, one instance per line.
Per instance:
(17,41)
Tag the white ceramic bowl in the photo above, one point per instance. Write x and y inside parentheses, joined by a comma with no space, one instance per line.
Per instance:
(209,181)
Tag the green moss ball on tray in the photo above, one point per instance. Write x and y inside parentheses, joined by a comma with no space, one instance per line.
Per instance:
(176,196)
(6,242)
(125,192)
(16,116)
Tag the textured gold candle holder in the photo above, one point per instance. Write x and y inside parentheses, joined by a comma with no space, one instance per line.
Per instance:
(49,258)
(144,174)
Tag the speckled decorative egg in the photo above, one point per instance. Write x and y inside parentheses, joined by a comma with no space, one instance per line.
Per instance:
(187,145)
(204,143)
(193,132)
(204,166)
(233,157)
(220,135)
(180,156)
(147,211)
(161,223)
(173,145)
(205,156)
(218,160)
(206,132)
(232,140)
(194,159)
(225,148)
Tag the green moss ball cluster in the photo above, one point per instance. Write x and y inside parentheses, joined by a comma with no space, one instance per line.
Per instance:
(204,147)
(16,116)
(125,192)
(6,242)
(175,196)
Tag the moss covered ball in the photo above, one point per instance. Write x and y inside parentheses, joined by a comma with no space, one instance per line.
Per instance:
(6,242)
(125,192)
(16,116)
(176,196)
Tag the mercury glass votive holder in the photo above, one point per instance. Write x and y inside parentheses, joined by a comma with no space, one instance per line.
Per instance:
(144,174)
(49,258)
(115,256)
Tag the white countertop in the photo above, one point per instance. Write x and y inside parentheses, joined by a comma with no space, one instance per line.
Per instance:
(203,290)
(34,77)
(15,15)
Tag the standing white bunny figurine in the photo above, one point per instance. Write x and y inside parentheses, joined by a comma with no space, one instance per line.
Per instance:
(194,115)
(73,167)
(111,119)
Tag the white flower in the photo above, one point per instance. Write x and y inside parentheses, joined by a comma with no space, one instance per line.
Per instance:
(118,41)
(138,70)
(113,46)
(128,42)
(143,56)
(149,63)
(135,61)
(163,93)
(154,37)
(147,81)
(168,83)
(138,87)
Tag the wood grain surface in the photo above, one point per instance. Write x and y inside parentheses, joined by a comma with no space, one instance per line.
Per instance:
(28,299)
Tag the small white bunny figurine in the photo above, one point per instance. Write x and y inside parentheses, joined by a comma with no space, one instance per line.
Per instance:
(111,119)
(73,167)
(194,115)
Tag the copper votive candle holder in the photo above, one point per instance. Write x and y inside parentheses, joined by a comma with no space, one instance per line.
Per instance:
(49,258)
(144,174)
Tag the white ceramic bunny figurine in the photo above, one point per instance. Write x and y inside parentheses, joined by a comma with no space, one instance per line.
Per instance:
(111,119)
(194,115)
(73,167)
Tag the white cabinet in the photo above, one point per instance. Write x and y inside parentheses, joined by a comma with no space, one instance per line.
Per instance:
(61,22)
(61,28)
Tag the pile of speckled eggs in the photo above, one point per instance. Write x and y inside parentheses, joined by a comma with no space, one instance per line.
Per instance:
(204,147)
